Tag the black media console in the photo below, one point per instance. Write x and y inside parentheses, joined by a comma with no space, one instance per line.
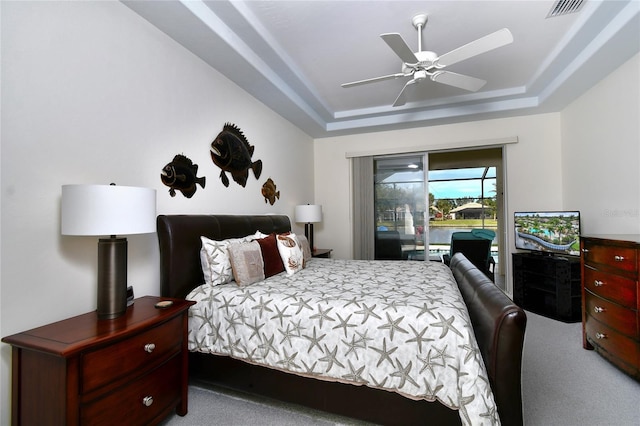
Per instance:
(548,285)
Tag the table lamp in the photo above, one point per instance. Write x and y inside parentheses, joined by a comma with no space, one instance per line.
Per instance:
(101,210)
(309,213)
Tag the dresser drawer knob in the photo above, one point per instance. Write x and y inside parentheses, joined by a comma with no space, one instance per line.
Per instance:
(598,283)
(601,336)
(147,401)
(618,258)
(149,347)
(598,309)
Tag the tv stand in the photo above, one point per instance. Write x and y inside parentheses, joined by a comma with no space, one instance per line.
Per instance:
(548,285)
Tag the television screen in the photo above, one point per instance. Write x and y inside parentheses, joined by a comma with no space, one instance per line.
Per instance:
(548,232)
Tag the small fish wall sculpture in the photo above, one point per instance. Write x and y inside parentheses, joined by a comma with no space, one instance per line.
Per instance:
(180,174)
(231,151)
(269,191)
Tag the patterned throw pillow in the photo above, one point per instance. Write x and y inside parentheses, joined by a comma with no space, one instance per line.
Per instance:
(214,259)
(270,255)
(290,252)
(246,263)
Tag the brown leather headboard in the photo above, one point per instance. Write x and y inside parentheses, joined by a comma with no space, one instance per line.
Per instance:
(179,238)
(499,326)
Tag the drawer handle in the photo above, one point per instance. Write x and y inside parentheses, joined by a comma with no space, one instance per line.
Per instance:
(149,347)
(598,283)
(618,258)
(598,309)
(585,250)
(601,336)
(147,401)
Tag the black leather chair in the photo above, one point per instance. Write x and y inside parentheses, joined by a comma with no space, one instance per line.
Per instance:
(476,246)
(388,245)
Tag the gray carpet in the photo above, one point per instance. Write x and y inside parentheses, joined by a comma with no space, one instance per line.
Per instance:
(563,384)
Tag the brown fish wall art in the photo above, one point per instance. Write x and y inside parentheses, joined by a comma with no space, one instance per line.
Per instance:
(180,174)
(231,151)
(269,192)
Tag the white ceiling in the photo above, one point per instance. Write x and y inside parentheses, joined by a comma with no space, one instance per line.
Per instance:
(294,55)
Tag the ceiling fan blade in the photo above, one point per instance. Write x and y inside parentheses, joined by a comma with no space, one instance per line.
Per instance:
(489,42)
(375,79)
(402,97)
(458,80)
(400,47)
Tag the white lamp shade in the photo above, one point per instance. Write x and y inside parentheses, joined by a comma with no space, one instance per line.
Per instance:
(308,213)
(107,210)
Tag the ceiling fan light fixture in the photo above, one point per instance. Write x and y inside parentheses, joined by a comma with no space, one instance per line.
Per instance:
(420,75)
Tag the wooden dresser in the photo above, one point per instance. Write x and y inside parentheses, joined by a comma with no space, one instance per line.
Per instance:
(611,299)
(128,370)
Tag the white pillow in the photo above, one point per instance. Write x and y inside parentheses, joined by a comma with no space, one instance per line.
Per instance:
(291,252)
(214,258)
(256,236)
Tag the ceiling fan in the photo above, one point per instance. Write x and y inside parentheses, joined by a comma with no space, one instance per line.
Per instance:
(423,64)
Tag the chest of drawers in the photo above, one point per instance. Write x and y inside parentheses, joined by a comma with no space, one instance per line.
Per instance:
(128,370)
(611,299)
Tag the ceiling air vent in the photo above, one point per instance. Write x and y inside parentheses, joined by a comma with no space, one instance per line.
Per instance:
(565,7)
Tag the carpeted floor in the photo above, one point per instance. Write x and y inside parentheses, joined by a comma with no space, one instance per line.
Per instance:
(562,384)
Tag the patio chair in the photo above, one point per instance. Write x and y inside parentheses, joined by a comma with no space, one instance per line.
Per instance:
(476,246)
(388,245)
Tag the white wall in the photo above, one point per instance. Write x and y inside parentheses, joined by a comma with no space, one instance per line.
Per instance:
(601,153)
(92,93)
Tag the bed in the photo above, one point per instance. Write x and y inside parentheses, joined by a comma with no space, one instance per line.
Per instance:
(344,385)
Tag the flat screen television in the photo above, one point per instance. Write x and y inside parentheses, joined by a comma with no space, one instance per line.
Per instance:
(548,232)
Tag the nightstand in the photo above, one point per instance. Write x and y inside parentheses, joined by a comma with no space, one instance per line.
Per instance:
(129,370)
(326,253)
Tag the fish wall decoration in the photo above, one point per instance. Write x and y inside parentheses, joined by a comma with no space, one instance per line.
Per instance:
(180,174)
(231,151)
(269,191)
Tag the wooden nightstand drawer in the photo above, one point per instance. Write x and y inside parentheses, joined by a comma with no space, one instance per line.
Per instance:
(617,257)
(160,388)
(128,356)
(619,318)
(610,286)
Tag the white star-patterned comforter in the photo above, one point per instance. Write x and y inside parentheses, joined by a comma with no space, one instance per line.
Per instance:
(393,325)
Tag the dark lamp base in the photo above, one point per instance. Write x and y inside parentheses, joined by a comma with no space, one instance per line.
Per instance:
(308,232)
(112,277)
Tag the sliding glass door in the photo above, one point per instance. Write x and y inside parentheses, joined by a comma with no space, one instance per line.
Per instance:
(401,206)
(420,199)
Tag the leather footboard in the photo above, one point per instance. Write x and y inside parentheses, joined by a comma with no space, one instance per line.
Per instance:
(499,326)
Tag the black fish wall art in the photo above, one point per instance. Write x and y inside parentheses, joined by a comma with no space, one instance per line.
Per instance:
(269,192)
(231,151)
(180,174)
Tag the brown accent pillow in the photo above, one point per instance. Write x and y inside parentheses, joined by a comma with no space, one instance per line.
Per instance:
(270,255)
